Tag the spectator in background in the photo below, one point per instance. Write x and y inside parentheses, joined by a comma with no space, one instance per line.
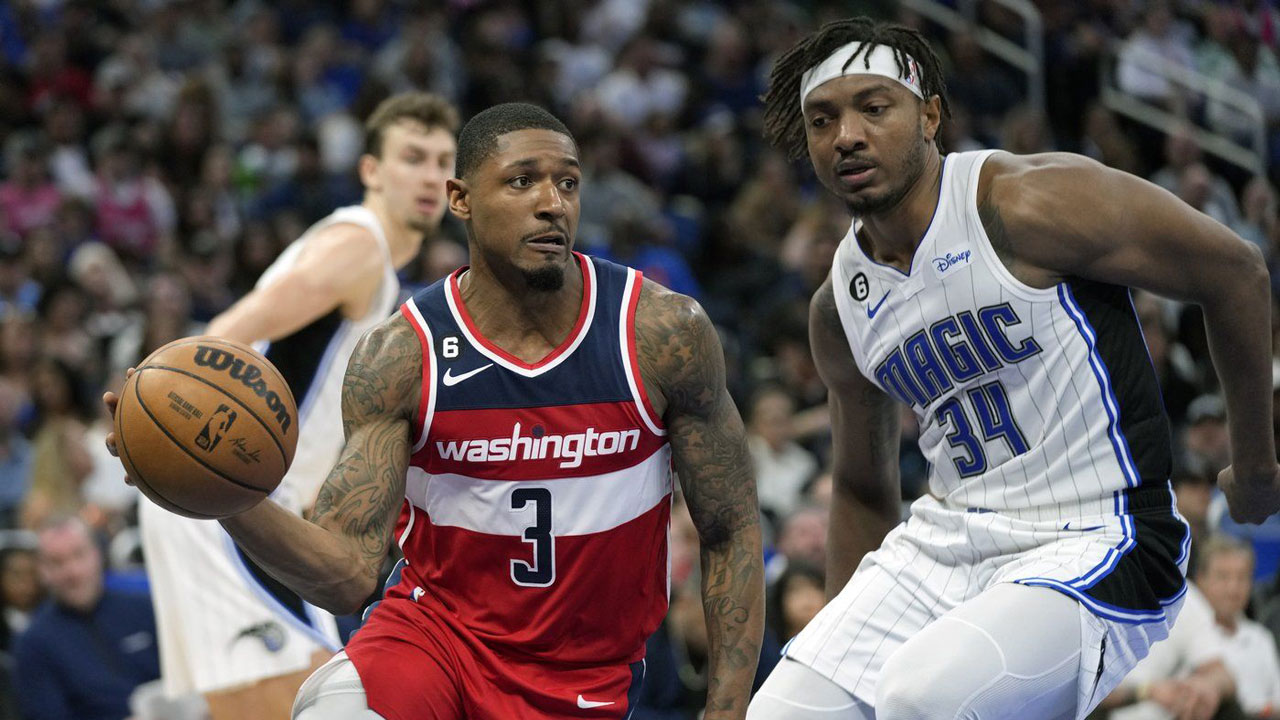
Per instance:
(1159,46)
(18,292)
(164,317)
(793,600)
(87,649)
(60,461)
(781,466)
(643,84)
(1204,439)
(20,595)
(29,198)
(1259,222)
(986,89)
(1252,69)
(1225,576)
(1195,188)
(15,456)
(1194,492)
(136,214)
(64,124)
(1183,677)
(1169,360)
(802,538)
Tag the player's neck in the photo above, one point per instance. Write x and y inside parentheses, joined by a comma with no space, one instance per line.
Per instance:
(892,235)
(523,321)
(403,240)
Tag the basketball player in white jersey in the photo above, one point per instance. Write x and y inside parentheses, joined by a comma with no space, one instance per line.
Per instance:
(989,292)
(227,629)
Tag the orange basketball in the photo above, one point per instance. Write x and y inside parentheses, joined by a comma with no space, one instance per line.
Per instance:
(206,427)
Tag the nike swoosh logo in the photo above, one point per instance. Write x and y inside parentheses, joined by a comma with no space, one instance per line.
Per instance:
(1082,529)
(450,379)
(586,704)
(871,311)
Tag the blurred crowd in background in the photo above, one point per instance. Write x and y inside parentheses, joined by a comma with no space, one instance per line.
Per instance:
(156,156)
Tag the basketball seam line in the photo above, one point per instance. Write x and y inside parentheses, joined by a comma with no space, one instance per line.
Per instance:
(138,394)
(123,446)
(283,455)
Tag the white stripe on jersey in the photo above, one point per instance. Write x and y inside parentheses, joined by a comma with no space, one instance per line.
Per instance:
(633,286)
(1015,406)
(582,506)
(432,364)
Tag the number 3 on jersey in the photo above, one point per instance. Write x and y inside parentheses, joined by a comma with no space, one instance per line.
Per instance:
(543,570)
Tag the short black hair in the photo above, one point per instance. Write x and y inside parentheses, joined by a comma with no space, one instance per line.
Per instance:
(783,121)
(477,139)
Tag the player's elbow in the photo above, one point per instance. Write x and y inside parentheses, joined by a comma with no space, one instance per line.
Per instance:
(347,598)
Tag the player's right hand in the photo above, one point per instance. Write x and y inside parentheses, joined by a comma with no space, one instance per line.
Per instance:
(111,400)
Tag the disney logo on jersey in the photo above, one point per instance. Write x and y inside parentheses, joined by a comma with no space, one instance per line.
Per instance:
(569,449)
(220,360)
(950,260)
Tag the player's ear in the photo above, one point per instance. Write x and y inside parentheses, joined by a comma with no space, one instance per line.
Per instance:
(459,198)
(368,167)
(931,116)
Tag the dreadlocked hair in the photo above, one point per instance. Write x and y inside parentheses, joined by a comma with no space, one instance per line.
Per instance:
(783,121)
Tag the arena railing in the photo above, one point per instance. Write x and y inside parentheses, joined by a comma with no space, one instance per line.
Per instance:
(1195,87)
(1027,58)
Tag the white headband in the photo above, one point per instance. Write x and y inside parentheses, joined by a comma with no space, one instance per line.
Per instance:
(880,60)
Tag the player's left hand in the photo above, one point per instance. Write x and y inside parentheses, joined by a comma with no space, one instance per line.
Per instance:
(1251,499)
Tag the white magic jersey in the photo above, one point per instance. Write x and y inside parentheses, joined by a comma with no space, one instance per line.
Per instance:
(1048,446)
(1027,399)
(314,359)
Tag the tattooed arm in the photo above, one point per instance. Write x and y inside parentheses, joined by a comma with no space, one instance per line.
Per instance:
(332,560)
(683,367)
(866,495)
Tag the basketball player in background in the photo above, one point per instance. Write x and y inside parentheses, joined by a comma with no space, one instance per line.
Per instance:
(525,412)
(987,291)
(228,629)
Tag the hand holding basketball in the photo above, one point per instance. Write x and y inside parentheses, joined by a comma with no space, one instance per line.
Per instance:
(205,427)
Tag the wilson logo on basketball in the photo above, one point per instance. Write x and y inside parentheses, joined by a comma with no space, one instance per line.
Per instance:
(250,375)
(219,423)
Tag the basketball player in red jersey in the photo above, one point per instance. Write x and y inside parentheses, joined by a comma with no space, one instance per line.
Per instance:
(525,413)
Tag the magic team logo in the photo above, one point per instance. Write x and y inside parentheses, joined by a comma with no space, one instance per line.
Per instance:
(219,423)
(270,633)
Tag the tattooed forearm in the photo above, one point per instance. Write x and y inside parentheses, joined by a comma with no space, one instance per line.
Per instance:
(682,363)
(333,560)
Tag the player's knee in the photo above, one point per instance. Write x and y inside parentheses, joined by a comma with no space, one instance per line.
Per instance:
(333,692)
(921,681)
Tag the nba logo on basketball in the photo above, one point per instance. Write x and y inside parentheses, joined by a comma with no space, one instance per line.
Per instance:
(219,423)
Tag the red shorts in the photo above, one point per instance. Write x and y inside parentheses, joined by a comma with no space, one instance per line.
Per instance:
(415,665)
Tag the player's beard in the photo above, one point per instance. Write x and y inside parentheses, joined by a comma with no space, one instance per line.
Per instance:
(546,278)
(913,160)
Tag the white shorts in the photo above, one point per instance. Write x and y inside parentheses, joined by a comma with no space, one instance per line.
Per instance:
(220,626)
(1126,571)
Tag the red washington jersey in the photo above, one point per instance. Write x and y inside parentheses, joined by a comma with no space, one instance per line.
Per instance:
(538,495)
